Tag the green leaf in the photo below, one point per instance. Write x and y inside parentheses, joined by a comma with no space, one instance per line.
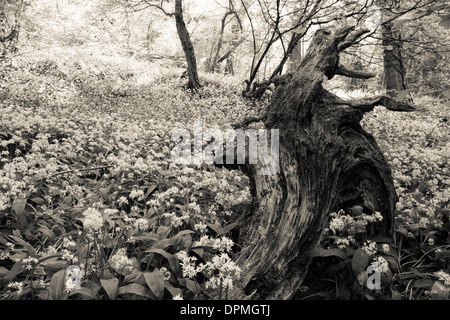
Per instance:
(19,205)
(226,229)
(19,208)
(3,271)
(134,288)
(439,291)
(199,251)
(38,200)
(84,291)
(360,261)
(362,278)
(162,244)
(173,260)
(147,237)
(173,291)
(111,287)
(46,231)
(214,227)
(321,252)
(133,276)
(190,285)
(442,255)
(16,269)
(423,283)
(28,247)
(155,281)
(56,287)
(396,295)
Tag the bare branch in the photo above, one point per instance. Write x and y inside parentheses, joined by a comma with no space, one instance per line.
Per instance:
(343,71)
(368,104)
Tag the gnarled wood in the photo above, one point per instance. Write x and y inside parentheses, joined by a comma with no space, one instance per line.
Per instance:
(327,162)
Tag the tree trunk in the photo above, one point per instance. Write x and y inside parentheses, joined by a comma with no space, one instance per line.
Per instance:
(187,45)
(296,56)
(326,162)
(394,70)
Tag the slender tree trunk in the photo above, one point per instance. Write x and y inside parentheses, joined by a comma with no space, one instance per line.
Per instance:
(296,56)
(394,70)
(326,162)
(187,45)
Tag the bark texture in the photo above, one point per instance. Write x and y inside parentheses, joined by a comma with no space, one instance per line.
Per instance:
(187,45)
(326,162)
(394,70)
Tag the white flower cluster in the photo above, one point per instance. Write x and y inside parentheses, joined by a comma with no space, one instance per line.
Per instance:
(119,261)
(174,220)
(137,194)
(222,244)
(224,271)
(16,285)
(188,266)
(369,247)
(165,272)
(381,264)
(341,221)
(93,220)
(444,277)
(29,262)
(141,224)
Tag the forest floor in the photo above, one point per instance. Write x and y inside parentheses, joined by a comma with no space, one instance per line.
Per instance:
(86,171)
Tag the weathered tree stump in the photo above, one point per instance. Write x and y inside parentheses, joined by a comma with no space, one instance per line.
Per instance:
(326,162)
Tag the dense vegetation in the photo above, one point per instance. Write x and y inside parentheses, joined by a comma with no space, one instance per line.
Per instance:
(86,179)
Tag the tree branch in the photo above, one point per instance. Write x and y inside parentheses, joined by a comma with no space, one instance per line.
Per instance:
(343,71)
(352,38)
(367,104)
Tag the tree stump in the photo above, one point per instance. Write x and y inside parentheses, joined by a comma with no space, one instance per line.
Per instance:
(327,162)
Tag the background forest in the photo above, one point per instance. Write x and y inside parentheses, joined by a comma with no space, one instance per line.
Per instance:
(91,90)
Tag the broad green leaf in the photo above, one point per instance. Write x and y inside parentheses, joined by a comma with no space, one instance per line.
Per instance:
(38,200)
(173,291)
(360,261)
(28,247)
(190,284)
(19,205)
(216,228)
(16,269)
(134,288)
(84,291)
(46,231)
(439,291)
(226,229)
(442,255)
(147,237)
(362,278)
(132,276)
(199,251)
(321,252)
(173,260)
(155,281)
(111,287)
(423,283)
(162,244)
(3,271)
(396,295)
(57,285)
(19,208)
